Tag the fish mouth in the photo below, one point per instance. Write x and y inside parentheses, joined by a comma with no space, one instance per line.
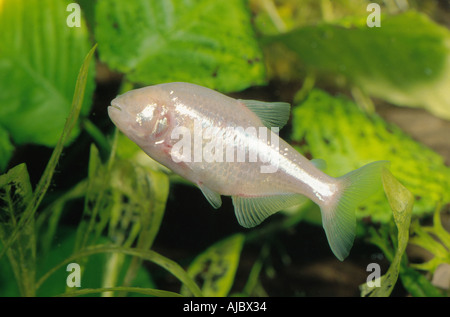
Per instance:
(115,105)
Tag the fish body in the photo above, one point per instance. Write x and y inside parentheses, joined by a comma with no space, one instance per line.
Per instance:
(231,147)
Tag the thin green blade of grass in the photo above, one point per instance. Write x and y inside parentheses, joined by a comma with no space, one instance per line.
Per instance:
(93,220)
(150,200)
(148,255)
(46,178)
(49,218)
(138,290)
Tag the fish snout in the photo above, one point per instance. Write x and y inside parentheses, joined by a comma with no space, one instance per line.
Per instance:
(115,104)
(115,112)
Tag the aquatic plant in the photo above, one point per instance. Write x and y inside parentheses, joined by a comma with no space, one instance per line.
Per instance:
(77,197)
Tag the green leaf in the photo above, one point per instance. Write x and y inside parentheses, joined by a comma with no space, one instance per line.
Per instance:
(44,181)
(336,130)
(434,239)
(127,201)
(401,201)
(210,43)
(97,204)
(7,280)
(148,255)
(417,284)
(6,149)
(139,196)
(40,56)
(406,61)
(138,290)
(48,220)
(216,267)
(15,196)
(94,273)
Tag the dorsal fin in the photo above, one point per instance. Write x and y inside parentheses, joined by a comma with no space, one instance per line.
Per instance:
(251,211)
(320,164)
(272,114)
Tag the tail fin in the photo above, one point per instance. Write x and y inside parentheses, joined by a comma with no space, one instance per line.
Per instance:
(339,217)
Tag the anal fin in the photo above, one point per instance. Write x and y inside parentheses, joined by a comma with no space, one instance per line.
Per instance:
(251,211)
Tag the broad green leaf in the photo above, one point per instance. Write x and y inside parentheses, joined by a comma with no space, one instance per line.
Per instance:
(40,56)
(401,202)
(7,279)
(215,268)
(336,130)
(406,61)
(210,43)
(15,196)
(273,17)
(6,149)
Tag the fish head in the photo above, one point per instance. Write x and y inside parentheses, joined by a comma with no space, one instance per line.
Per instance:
(143,115)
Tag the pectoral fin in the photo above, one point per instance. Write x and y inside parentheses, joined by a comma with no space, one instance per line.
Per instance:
(213,197)
(251,211)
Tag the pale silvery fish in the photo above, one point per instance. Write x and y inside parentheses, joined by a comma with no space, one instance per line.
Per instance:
(228,147)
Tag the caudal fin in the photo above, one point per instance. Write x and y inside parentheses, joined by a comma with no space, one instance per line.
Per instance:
(339,216)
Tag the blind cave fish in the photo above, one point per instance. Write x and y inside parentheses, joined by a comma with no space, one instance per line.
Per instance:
(231,147)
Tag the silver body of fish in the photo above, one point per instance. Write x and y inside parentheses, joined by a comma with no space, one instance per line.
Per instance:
(231,147)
